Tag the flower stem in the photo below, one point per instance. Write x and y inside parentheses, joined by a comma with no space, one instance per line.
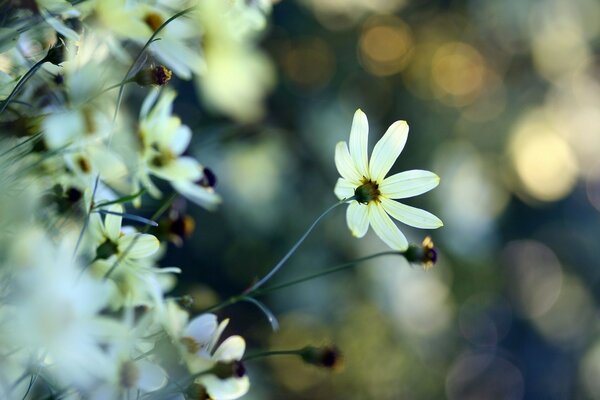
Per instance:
(281,262)
(331,270)
(254,356)
(269,289)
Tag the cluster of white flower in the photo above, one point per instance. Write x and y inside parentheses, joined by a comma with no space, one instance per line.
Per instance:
(83,305)
(83,310)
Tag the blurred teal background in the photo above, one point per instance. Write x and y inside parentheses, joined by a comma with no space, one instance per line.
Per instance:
(503,102)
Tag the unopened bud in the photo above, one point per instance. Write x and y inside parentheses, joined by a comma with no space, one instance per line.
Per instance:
(209,179)
(326,356)
(425,254)
(56,53)
(157,75)
(230,369)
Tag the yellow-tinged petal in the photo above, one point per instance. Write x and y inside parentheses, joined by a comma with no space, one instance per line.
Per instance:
(410,215)
(359,142)
(344,163)
(387,150)
(231,349)
(344,189)
(145,245)
(385,228)
(112,222)
(357,217)
(183,168)
(225,389)
(408,184)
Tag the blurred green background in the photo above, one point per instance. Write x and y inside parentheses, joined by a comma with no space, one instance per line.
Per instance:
(503,102)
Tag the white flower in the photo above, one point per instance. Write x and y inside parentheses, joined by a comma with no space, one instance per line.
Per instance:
(55,313)
(205,333)
(197,342)
(374,193)
(135,274)
(164,141)
(134,372)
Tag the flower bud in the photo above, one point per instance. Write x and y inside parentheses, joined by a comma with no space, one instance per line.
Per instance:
(155,75)
(230,369)
(425,254)
(326,357)
(209,179)
(56,53)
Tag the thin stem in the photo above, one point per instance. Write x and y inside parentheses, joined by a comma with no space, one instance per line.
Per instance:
(269,289)
(280,264)
(152,38)
(337,268)
(21,82)
(272,353)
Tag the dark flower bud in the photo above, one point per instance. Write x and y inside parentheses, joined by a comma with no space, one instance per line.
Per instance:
(157,75)
(326,356)
(425,254)
(209,179)
(56,53)
(230,369)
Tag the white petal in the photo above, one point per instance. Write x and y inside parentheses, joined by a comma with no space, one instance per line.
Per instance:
(152,377)
(357,217)
(112,223)
(225,389)
(344,189)
(183,168)
(345,164)
(181,140)
(387,150)
(385,228)
(218,334)
(202,328)
(359,142)
(145,245)
(408,184)
(202,196)
(410,215)
(231,349)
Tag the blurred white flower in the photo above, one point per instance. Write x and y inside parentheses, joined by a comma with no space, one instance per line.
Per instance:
(178,46)
(164,140)
(133,372)
(238,75)
(373,192)
(54,314)
(127,254)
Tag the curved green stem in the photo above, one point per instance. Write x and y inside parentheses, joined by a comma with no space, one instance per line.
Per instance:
(269,289)
(281,262)
(272,353)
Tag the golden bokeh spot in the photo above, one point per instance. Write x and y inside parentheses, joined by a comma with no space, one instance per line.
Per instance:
(308,63)
(543,160)
(458,73)
(385,45)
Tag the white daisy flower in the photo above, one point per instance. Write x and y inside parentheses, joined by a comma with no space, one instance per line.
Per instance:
(374,194)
